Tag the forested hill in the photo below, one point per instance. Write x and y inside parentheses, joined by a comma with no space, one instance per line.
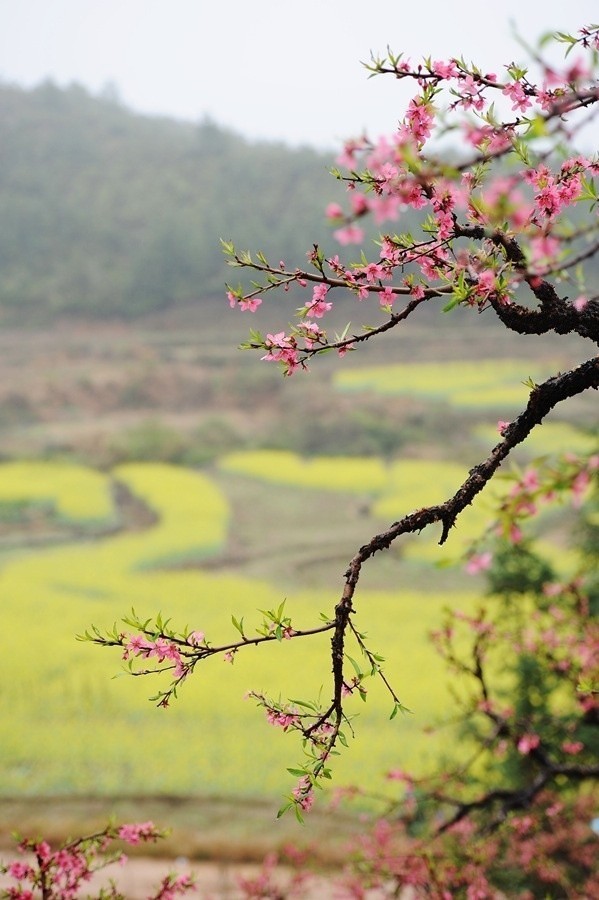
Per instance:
(106,212)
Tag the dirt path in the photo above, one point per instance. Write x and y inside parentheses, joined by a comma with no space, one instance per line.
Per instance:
(140,877)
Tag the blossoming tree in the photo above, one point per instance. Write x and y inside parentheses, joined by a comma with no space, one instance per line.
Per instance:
(508,226)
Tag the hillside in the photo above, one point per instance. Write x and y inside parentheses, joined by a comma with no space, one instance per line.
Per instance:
(106,212)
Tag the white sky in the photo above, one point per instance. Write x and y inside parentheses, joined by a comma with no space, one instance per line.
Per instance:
(276,69)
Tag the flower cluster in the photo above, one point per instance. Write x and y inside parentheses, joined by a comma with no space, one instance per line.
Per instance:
(567,478)
(513,223)
(62,874)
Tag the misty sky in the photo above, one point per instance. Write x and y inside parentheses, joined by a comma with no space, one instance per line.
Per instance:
(276,69)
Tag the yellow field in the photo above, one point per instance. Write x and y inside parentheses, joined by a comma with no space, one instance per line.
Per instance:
(193,514)
(395,489)
(74,728)
(75,493)
(493,383)
(550,437)
(361,476)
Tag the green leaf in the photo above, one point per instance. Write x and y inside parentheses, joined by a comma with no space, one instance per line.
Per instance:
(451,304)
(355,665)
(537,128)
(305,705)
(238,625)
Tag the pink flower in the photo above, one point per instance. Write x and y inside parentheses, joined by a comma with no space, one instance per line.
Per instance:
(579,486)
(399,775)
(384,207)
(135,833)
(444,69)
(479,563)
(386,297)
(303,794)
(515,534)
(528,743)
(502,426)
(251,304)
(544,248)
(43,850)
(196,638)
(351,234)
(317,306)
(390,251)
(516,93)
(282,348)
(417,125)
(20,870)
(486,283)
(334,211)
(549,201)
(471,93)
(572,747)
(374,272)
(347,157)
(283,720)
(580,303)
(522,824)
(359,204)
(530,479)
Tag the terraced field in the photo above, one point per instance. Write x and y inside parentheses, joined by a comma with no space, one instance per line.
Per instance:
(74,728)
(81,546)
(484,384)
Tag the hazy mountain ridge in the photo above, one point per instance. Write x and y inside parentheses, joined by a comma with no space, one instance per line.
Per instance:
(106,212)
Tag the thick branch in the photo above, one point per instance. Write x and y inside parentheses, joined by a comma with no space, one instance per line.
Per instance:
(541,401)
(554,313)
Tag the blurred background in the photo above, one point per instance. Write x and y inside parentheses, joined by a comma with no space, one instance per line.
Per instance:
(147,462)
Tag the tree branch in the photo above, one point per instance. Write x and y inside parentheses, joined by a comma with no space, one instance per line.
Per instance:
(541,401)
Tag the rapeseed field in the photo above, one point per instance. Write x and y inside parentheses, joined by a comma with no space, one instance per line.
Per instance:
(349,474)
(75,728)
(74,493)
(483,384)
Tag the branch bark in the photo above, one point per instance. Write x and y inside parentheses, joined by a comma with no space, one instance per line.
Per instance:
(543,398)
